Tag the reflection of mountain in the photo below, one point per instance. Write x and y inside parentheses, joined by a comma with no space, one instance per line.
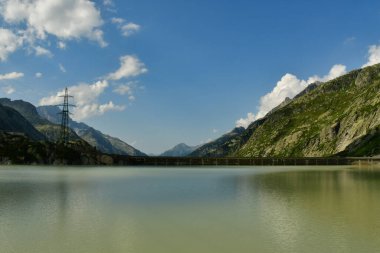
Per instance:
(328,199)
(261,210)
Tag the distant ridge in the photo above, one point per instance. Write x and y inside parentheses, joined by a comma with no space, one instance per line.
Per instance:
(179,150)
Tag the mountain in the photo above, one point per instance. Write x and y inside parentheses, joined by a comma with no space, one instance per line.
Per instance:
(221,146)
(179,150)
(341,117)
(26,109)
(104,143)
(50,130)
(336,118)
(12,121)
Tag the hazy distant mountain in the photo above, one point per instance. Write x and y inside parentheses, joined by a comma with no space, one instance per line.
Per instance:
(12,121)
(101,141)
(179,150)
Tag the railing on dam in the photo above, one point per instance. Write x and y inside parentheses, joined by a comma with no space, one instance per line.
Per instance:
(230,161)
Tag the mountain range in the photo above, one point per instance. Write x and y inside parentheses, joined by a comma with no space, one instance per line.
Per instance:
(338,117)
(44,123)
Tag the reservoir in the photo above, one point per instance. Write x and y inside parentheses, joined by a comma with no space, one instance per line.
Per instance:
(189,209)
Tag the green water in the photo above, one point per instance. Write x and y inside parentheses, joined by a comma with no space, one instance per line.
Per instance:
(257,209)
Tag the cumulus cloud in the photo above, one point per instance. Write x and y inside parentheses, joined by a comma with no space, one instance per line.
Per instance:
(336,71)
(37,19)
(244,122)
(86,100)
(94,109)
(126,89)
(130,66)
(288,86)
(373,56)
(118,20)
(12,75)
(38,75)
(8,90)
(9,43)
(127,29)
(40,51)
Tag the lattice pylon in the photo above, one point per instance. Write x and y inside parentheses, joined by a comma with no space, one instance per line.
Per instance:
(64,136)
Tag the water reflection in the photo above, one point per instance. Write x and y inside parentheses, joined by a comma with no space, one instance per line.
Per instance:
(191,210)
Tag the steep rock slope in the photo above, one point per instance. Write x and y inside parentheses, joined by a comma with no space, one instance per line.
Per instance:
(333,117)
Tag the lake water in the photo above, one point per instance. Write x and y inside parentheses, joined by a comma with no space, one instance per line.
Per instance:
(252,209)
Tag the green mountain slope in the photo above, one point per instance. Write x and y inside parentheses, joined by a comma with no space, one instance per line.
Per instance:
(29,112)
(339,116)
(222,146)
(103,142)
(12,121)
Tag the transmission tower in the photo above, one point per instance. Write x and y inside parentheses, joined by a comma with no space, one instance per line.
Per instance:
(65,130)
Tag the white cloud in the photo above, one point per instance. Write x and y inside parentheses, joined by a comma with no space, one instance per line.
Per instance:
(61,45)
(40,51)
(64,19)
(288,86)
(8,90)
(126,89)
(244,122)
(336,71)
(12,75)
(108,3)
(9,43)
(117,20)
(215,130)
(62,68)
(129,29)
(373,56)
(94,109)
(86,100)
(130,66)
(38,75)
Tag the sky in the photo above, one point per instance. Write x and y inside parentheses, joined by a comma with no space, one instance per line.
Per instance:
(158,73)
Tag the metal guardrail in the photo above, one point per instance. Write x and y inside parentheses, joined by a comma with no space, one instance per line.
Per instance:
(230,161)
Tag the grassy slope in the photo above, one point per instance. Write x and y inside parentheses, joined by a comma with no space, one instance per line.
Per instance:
(322,122)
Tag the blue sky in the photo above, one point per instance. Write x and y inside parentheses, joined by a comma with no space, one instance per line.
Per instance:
(157,73)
